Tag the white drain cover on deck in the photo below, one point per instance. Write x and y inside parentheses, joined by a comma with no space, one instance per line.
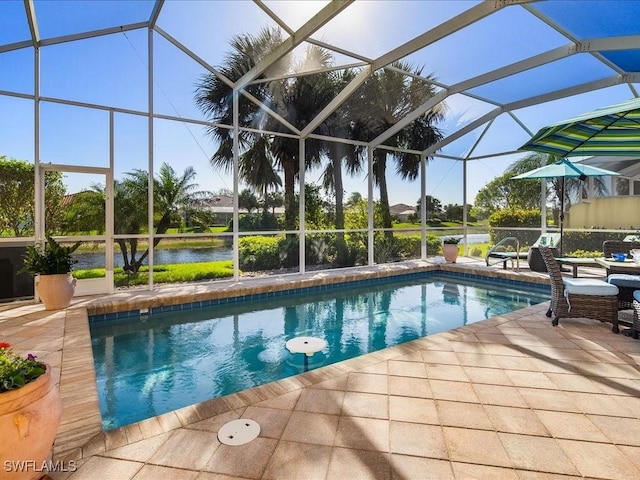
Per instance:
(238,432)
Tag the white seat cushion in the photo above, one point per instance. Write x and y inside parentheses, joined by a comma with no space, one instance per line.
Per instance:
(588,286)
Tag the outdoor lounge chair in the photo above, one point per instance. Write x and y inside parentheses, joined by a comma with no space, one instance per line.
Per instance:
(579,297)
(509,249)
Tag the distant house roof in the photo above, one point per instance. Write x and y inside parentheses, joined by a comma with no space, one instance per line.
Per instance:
(222,201)
(401,209)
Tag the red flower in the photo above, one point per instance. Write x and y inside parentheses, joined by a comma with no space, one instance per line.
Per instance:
(5,345)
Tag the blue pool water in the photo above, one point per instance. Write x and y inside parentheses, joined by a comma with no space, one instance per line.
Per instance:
(151,364)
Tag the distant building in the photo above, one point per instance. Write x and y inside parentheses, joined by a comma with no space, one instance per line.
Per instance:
(222,207)
(402,211)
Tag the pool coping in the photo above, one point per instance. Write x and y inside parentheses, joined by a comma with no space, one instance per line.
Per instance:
(80,434)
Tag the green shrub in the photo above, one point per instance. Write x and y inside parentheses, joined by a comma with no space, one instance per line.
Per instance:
(385,249)
(515,217)
(409,246)
(587,241)
(259,252)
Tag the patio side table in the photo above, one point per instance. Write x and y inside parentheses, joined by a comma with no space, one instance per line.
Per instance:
(575,262)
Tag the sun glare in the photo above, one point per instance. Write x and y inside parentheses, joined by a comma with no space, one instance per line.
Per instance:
(295,14)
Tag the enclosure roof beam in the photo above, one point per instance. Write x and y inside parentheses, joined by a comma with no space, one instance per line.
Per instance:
(93,33)
(192,55)
(155,13)
(316,22)
(30,11)
(615,43)
(463,131)
(464,19)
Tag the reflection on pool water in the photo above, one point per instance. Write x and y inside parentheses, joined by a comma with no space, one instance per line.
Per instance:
(153,364)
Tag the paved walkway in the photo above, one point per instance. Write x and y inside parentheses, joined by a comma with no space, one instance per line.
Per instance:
(507,398)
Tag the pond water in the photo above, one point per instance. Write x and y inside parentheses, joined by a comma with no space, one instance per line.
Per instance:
(160,257)
(200,254)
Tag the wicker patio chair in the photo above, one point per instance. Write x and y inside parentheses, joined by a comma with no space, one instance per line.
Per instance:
(579,297)
(636,314)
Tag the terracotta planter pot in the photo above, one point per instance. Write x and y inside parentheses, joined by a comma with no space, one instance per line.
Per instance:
(450,252)
(56,291)
(29,421)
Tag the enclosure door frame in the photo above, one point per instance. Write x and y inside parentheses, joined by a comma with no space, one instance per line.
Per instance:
(89,286)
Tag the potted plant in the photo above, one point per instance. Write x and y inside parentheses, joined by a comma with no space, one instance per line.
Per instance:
(450,249)
(51,265)
(30,412)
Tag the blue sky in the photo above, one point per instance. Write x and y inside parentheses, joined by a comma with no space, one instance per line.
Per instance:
(111,70)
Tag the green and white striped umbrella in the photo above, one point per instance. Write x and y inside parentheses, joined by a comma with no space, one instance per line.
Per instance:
(613,130)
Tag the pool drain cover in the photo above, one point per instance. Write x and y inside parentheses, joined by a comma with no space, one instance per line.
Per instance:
(238,432)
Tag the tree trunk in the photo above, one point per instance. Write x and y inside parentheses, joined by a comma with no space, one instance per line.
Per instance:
(289,195)
(125,257)
(384,194)
(163,226)
(341,244)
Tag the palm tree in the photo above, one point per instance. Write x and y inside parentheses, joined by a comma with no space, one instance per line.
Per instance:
(385,99)
(171,193)
(339,155)
(296,100)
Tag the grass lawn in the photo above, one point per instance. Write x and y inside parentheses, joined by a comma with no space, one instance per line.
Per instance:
(176,273)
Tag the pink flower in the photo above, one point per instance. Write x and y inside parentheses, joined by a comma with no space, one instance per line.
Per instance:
(31,357)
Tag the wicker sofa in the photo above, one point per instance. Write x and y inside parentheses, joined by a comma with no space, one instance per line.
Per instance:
(579,297)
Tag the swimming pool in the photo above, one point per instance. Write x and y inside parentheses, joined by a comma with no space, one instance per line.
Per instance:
(147,365)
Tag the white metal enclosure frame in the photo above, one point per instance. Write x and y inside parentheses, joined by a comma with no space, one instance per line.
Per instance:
(599,46)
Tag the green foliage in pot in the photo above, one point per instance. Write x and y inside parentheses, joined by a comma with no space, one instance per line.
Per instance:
(451,241)
(15,371)
(51,260)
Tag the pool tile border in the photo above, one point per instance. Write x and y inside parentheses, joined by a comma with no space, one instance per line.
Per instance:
(297,290)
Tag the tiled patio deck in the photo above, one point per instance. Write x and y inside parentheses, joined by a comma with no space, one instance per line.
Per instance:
(507,398)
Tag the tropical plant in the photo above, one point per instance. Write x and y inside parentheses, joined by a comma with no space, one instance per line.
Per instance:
(85,212)
(297,101)
(451,240)
(503,193)
(16,371)
(340,156)
(173,194)
(433,209)
(384,100)
(248,200)
(17,198)
(52,259)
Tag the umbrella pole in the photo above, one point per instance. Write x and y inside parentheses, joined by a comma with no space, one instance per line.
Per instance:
(561,212)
